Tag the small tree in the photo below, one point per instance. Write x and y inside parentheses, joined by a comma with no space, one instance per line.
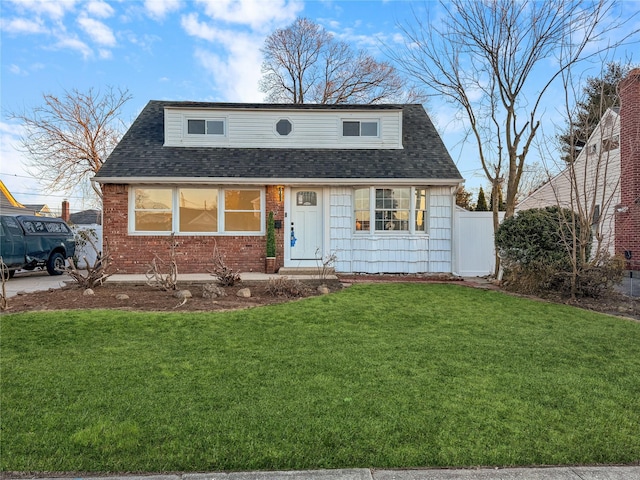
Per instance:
(463,198)
(481,204)
(271,236)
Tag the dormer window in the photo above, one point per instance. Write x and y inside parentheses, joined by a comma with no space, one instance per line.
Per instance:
(357,128)
(205,126)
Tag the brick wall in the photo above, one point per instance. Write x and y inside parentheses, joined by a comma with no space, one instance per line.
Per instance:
(628,215)
(133,253)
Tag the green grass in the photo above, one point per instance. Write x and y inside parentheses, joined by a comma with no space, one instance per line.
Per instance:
(396,375)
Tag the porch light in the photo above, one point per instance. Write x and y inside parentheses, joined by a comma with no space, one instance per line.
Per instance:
(280,193)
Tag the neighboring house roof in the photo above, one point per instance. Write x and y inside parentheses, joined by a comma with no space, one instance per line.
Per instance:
(86,217)
(8,204)
(141,154)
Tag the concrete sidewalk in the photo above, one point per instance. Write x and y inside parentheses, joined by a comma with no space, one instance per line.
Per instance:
(542,473)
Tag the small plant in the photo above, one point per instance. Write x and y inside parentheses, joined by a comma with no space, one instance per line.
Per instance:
(285,287)
(225,276)
(325,264)
(96,274)
(4,276)
(155,274)
(271,236)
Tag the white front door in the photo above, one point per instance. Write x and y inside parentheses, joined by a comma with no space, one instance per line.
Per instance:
(306,223)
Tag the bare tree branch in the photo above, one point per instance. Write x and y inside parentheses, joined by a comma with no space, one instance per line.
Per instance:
(68,138)
(305,64)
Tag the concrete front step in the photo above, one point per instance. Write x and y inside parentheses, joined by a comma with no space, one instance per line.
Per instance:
(290,271)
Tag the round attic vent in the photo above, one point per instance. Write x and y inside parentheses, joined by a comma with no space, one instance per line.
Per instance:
(283,127)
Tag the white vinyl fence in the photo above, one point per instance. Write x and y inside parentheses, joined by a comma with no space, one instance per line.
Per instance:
(475,250)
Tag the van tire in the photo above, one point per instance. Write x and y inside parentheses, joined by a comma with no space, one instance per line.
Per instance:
(55,264)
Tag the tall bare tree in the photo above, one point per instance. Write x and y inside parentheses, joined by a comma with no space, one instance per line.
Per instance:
(68,137)
(303,63)
(496,60)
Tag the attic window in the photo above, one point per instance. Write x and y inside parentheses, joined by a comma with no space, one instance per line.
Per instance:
(205,127)
(351,128)
(283,127)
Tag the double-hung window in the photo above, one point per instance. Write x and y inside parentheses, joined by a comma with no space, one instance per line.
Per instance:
(393,209)
(197,211)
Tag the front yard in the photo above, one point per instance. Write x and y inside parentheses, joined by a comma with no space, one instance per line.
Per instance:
(386,375)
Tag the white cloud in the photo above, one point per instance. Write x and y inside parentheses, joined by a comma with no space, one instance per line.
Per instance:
(56,9)
(237,75)
(23,26)
(158,9)
(16,70)
(260,15)
(198,29)
(99,9)
(98,31)
(73,43)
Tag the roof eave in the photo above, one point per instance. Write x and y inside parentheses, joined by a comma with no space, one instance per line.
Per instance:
(276,181)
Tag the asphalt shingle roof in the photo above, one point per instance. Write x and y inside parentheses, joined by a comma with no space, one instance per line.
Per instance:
(141,153)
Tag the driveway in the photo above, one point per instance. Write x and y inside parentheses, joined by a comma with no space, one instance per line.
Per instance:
(35,281)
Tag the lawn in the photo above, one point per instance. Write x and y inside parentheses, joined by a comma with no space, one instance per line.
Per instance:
(394,375)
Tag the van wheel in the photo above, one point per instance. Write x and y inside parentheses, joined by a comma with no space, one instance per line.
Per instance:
(55,264)
(6,273)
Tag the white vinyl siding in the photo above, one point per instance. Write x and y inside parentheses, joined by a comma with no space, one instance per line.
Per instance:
(256,128)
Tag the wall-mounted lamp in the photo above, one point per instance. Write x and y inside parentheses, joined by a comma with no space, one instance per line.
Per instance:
(280,189)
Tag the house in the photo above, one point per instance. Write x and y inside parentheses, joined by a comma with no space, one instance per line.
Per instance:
(8,204)
(607,170)
(372,184)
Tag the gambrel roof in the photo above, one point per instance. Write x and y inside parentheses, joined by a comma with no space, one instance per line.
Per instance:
(141,153)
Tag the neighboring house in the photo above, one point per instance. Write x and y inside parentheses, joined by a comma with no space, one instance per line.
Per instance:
(8,204)
(608,174)
(594,182)
(86,217)
(40,209)
(372,184)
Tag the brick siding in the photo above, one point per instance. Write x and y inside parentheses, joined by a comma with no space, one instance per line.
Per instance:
(628,216)
(194,254)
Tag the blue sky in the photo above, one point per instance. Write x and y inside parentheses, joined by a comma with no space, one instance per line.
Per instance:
(207,50)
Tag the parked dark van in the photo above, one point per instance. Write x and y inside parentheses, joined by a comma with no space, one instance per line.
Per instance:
(27,242)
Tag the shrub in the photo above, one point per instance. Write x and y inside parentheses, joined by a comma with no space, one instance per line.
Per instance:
(536,249)
(285,287)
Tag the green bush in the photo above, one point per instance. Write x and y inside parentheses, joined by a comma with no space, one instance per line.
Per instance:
(536,246)
(271,236)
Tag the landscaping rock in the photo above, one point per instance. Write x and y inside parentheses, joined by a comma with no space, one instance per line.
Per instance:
(88,292)
(211,290)
(182,294)
(323,289)
(244,293)
(122,296)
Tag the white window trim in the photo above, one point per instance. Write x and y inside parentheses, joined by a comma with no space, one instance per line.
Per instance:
(205,136)
(412,214)
(175,213)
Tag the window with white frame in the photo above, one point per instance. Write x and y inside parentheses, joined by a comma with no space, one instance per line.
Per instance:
(205,126)
(393,209)
(359,128)
(197,211)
